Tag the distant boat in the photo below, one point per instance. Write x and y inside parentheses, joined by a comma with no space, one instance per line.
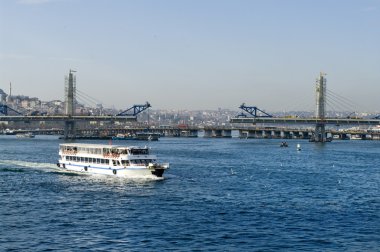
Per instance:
(356,137)
(9,132)
(123,137)
(147,136)
(298,147)
(25,135)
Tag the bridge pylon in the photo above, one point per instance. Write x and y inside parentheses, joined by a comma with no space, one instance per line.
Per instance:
(320,91)
(70,100)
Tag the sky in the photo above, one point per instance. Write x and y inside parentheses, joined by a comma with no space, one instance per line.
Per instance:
(193,54)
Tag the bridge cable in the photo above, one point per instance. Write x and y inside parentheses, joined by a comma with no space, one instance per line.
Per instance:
(340,103)
(84,100)
(342,100)
(89,98)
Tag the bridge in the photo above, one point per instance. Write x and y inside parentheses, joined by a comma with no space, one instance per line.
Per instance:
(320,120)
(332,121)
(27,118)
(69,118)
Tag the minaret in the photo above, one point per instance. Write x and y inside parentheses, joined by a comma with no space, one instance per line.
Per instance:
(10,92)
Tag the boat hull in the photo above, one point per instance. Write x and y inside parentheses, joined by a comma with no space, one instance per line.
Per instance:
(114,171)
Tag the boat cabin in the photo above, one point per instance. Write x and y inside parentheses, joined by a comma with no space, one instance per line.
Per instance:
(104,150)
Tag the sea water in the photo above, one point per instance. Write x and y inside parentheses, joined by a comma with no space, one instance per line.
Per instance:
(219,195)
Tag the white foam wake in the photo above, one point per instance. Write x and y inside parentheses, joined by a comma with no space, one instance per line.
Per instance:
(29,164)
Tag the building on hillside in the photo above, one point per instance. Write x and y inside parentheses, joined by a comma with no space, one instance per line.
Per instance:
(3,96)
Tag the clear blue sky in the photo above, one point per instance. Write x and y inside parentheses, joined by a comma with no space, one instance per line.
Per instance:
(198,54)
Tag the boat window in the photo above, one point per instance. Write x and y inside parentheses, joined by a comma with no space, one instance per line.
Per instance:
(114,162)
(123,151)
(139,151)
(125,162)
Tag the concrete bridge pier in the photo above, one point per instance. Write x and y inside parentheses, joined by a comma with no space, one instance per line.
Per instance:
(248,134)
(320,133)
(267,133)
(243,134)
(207,133)
(286,134)
(188,133)
(304,135)
(227,133)
(70,130)
(277,134)
(217,133)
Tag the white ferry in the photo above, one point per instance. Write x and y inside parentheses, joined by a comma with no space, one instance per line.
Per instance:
(124,161)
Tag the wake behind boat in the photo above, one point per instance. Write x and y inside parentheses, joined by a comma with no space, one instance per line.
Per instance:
(123,161)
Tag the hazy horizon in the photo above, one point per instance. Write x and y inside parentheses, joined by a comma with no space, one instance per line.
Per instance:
(192,55)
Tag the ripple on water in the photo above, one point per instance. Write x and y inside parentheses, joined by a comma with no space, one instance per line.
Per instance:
(220,194)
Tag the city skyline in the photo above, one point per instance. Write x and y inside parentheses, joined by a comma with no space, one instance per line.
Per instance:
(192,54)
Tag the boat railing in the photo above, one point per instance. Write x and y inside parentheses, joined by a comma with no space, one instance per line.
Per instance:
(111,155)
(139,164)
(69,152)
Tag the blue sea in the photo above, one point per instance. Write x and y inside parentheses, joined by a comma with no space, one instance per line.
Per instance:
(219,195)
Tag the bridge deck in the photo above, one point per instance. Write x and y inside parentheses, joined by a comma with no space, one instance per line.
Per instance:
(67,118)
(346,121)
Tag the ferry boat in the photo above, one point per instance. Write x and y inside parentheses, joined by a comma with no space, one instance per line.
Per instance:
(116,160)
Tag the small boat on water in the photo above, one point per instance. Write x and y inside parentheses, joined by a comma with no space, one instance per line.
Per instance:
(147,136)
(123,137)
(116,160)
(356,137)
(25,135)
(284,144)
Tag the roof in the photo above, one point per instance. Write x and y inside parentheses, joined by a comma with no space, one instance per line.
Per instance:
(101,146)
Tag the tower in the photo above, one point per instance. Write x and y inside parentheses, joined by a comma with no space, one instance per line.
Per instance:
(70,100)
(70,91)
(320,91)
